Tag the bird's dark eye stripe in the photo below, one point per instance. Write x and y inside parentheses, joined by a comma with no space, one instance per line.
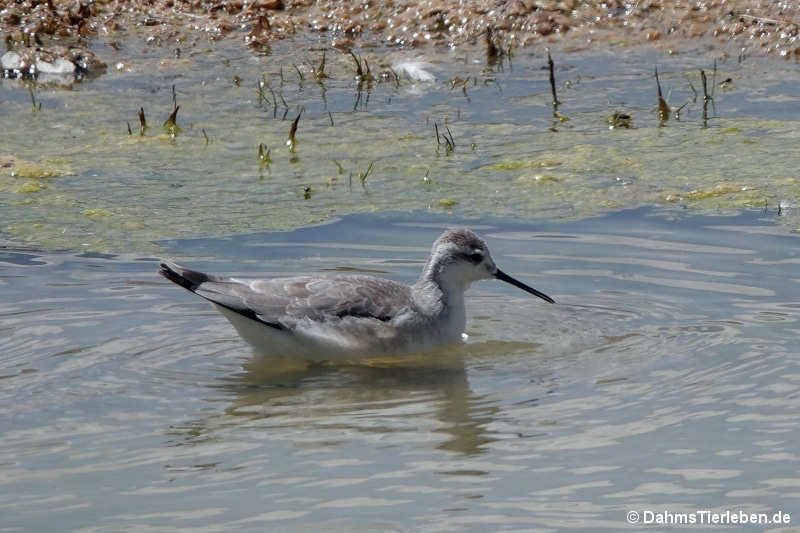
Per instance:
(475,257)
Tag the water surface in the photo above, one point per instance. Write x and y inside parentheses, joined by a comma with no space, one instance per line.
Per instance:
(667,377)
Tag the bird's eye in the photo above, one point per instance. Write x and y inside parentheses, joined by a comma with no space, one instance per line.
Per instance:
(476,257)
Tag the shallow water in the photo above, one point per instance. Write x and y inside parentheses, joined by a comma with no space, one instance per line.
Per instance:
(80,181)
(666,378)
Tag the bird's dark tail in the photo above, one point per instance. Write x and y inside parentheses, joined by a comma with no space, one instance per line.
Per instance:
(186,278)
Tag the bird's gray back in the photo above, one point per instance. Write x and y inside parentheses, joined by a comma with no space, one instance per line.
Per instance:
(284,301)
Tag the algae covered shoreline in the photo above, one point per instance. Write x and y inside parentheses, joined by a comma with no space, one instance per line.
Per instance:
(187,136)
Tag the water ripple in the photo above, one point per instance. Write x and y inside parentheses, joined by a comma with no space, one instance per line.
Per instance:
(665,376)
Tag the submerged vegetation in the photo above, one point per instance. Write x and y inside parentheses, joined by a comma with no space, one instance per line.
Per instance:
(445,140)
(263,155)
(171,124)
(291,142)
(521,140)
(552,78)
(663,107)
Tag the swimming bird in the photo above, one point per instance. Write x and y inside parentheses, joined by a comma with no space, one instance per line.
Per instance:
(345,317)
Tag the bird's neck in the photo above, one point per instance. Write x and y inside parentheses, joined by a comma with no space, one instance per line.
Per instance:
(442,297)
(439,288)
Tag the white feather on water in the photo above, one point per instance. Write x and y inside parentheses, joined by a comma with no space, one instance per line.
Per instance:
(415,71)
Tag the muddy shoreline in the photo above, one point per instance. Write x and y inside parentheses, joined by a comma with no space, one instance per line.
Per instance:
(747,27)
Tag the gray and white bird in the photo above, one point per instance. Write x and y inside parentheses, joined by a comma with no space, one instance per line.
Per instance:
(345,317)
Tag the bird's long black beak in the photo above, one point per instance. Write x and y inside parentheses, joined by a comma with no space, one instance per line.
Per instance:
(508,279)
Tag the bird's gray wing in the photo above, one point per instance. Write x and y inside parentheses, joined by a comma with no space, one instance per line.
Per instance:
(282,302)
(334,297)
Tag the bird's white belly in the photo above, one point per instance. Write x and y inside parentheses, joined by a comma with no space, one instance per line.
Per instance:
(346,340)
